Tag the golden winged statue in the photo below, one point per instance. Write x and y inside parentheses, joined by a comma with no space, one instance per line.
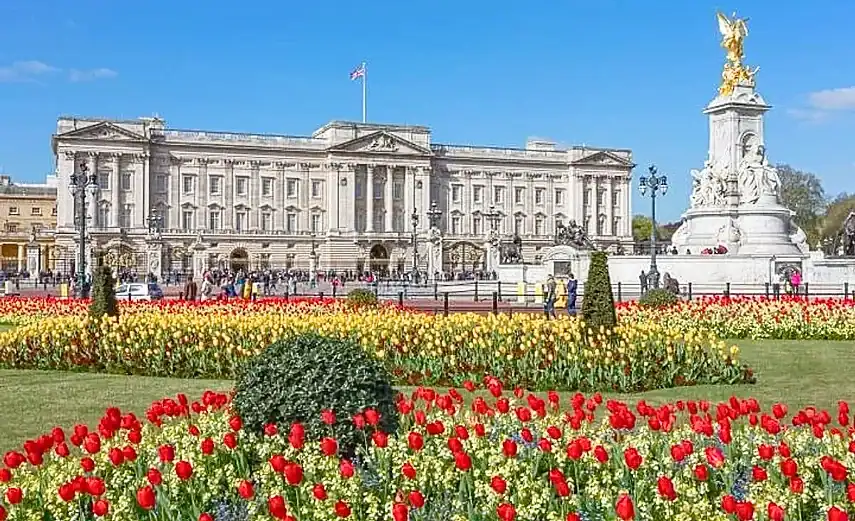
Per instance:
(733,32)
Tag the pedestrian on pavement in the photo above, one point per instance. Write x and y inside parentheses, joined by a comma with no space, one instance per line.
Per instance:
(572,288)
(549,297)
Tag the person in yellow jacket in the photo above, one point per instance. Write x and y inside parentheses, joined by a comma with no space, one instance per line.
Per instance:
(560,294)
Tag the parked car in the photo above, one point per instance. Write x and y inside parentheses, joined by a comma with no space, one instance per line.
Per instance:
(139,291)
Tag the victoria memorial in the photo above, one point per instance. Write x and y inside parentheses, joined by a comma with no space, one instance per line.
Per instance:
(351,196)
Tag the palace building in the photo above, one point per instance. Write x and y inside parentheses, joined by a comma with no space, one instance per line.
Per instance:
(348,193)
(29,214)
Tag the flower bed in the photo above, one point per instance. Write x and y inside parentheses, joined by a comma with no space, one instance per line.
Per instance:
(416,348)
(793,318)
(512,457)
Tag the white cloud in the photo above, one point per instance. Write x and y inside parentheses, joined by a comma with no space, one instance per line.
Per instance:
(23,71)
(833,99)
(102,73)
(823,104)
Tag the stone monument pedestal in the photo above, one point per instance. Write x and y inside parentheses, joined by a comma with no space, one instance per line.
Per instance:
(33,260)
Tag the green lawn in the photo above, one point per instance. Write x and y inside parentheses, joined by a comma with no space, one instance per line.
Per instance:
(797,372)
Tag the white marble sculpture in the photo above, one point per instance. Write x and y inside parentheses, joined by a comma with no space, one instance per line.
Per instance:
(757,178)
(709,186)
(434,252)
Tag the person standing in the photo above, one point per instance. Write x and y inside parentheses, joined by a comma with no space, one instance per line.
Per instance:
(549,297)
(572,288)
(642,279)
(796,281)
(190,290)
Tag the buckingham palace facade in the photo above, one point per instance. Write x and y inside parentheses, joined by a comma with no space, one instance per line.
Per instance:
(348,193)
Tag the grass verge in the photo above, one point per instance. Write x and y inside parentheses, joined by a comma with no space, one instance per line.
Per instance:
(798,373)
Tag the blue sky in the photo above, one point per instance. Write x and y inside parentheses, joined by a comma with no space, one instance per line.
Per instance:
(627,74)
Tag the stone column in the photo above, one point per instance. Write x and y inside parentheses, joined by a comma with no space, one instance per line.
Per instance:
(333,196)
(409,193)
(175,192)
(116,190)
(228,186)
(202,197)
(143,194)
(468,202)
(348,193)
(609,208)
(92,193)
(369,199)
(549,225)
(254,195)
(388,198)
(626,213)
(426,198)
(304,197)
(33,251)
(279,196)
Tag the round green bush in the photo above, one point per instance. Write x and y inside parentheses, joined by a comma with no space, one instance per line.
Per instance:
(362,297)
(657,298)
(295,380)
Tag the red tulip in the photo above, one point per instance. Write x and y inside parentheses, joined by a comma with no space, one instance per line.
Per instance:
(204,516)
(400,512)
(415,441)
(14,495)
(498,484)
(632,458)
(101,507)
(624,508)
(342,509)
(329,446)
(146,497)
(319,492)
(462,461)
(345,468)
(417,500)
(183,469)
(276,507)
(408,470)
(328,417)
(835,514)
(246,490)
(293,473)
(666,488)
(230,440)
(154,477)
(774,512)
(506,512)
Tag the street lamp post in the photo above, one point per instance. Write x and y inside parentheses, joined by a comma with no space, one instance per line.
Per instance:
(155,224)
(80,182)
(654,183)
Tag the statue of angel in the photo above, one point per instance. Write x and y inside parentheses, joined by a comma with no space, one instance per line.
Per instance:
(733,31)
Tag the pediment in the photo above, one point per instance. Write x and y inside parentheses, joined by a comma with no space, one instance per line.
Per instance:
(104,130)
(381,142)
(603,158)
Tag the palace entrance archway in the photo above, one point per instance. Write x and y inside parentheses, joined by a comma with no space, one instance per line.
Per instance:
(239,260)
(378,259)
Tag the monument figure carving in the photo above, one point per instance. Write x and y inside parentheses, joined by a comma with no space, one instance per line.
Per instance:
(572,235)
(511,253)
(849,234)
(756,177)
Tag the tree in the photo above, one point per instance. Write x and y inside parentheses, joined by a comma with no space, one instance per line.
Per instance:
(598,303)
(641,227)
(802,193)
(103,294)
(836,212)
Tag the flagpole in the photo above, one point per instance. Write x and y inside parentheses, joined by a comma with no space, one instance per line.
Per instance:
(364,78)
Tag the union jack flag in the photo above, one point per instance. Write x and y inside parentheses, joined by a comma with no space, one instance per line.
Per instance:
(358,72)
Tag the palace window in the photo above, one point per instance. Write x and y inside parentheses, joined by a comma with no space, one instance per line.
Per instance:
(266,221)
(291,188)
(601,225)
(103,215)
(397,191)
(241,186)
(316,223)
(187,220)
(357,190)
(127,177)
(559,197)
(538,226)
(36,210)
(398,221)
(477,194)
(616,198)
(13,210)
(266,187)
(316,189)
(616,226)
(519,225)
(216,187)
(291,222)
(476,225)
(519,195)
(586,197)
(538,195)
(378,191)
(455,193)
(214,220)
(104,181)
(241,220)
(601,197)
(125,216)
(160,184)
(498,194)
(455,225)
(187,184)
